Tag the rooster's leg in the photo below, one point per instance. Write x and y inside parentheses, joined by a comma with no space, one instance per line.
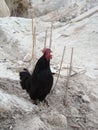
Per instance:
(46,102)
(36,102)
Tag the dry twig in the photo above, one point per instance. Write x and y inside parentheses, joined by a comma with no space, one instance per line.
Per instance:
(77,73)
(75,126)
(82,126)
(75,116)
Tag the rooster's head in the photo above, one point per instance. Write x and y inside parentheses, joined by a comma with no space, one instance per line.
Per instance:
(47,53)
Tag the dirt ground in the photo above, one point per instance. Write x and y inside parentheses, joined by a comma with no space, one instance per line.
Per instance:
(77,111)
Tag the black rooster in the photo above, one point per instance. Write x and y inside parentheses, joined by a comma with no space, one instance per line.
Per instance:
(39,83)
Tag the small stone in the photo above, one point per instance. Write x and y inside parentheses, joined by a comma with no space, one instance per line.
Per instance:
(74,111)
(20,62)
(85,98)
(58,120)
(27,58)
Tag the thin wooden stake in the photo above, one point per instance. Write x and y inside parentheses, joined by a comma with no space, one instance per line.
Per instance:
(71,61)
(32,34)
(68,77)
(32,22)
(51,35)
(34,45)
(34,39)
(45,39)
(59,69)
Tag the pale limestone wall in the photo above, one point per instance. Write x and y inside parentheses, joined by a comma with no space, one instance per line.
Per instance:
(24,8)
(4,10)
(19,8)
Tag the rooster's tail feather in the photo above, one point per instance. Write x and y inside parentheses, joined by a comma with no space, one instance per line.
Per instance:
(25,78)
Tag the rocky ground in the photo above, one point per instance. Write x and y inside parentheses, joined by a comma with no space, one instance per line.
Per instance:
(79,113)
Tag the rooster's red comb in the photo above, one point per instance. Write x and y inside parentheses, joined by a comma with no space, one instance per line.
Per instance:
(45,50)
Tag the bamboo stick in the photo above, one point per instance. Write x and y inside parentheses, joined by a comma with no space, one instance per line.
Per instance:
(68,77)
(32,22)
(51,35)
(45,39)
(59,69)
(34,40)
(71,61)
(32,34)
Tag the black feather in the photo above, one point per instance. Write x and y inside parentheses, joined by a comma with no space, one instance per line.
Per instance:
(39,83)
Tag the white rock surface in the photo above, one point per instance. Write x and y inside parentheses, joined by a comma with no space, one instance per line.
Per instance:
(33,124)
(4,10)
(86,15)
(9,102)
(25,7)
